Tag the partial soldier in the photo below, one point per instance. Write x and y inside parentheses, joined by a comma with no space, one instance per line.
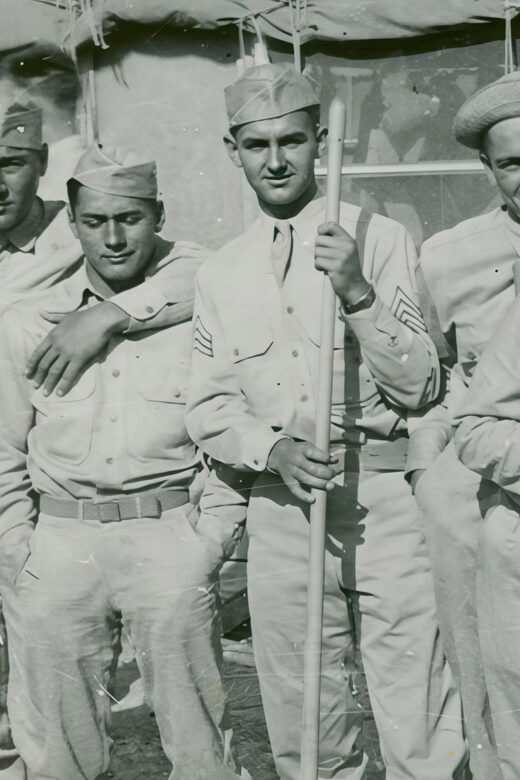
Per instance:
(96,514)
(466,275)
(488,443)
(251,405)
(37,251)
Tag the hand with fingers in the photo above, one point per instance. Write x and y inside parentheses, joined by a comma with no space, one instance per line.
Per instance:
(78,338)
(336,253)
(300,463)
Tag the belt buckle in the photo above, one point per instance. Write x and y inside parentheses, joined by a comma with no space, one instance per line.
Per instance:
(148,506)
(109,512)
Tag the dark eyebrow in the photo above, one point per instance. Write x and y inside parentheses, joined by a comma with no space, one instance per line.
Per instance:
(255,139)
(297,135)
(13,158)
(120,215)
(510,158)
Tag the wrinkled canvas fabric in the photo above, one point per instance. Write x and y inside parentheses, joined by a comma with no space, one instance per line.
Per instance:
(328,20)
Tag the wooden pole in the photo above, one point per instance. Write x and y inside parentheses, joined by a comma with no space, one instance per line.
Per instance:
(516,276)
(313,638)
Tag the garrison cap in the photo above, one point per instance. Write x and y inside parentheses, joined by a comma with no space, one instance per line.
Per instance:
(491,104)
(115,172)
(268,91)
(20,124)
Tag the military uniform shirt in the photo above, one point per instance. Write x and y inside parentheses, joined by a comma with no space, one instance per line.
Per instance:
(119,429)
(256,347)
(466,274)
(488,439)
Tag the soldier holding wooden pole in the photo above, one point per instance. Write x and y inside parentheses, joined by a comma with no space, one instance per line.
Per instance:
(252,405)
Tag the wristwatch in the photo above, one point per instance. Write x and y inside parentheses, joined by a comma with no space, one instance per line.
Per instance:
(365,302)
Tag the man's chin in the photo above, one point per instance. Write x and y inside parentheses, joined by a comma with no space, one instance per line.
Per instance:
(7,223)
(281,196)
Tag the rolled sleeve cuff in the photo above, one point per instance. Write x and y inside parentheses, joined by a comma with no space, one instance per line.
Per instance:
(140,303)
(372,322)
(423,449)
(257,448)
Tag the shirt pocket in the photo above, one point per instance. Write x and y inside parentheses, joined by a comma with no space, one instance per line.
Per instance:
(160,383)
(64,425)
(259,375)
(345,351)
(156,428)
(250,343)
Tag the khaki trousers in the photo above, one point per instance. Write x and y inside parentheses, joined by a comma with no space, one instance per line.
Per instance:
(11,766)
(454,500)
(376,553)
(498,607)
(63,631)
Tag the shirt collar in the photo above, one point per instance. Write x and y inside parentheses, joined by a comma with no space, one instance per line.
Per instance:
(25,235)
(304,223)
(512,229)
(77,289)
(82,284)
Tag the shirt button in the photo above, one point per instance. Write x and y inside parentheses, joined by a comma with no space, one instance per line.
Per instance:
(290,310)
(235,351)
(110,461)
(295,353)
(394,341)
(304,397)
(113,418)
(116,372)
(177,394)
(149,309)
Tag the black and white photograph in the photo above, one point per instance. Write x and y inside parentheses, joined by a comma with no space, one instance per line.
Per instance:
(259,390)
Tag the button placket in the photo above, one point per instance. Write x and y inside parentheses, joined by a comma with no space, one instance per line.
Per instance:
(113,444)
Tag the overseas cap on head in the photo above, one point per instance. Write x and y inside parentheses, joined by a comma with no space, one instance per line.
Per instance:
(266,92)
(115,172)
(491,104)
(20,124)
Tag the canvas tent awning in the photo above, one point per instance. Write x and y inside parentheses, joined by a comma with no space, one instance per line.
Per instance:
(325,20)
(51,22)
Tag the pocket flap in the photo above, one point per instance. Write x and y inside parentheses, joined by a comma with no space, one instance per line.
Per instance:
(250,342)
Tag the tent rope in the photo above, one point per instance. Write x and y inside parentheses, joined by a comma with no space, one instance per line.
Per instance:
(298,15)
(261,55)
(509,55)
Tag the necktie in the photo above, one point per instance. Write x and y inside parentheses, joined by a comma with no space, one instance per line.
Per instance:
(281,249)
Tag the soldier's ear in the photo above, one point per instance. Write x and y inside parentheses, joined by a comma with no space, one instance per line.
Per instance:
(321,139)
(44,159)
(488,170)
(160,217)
(72,220)
(232,150)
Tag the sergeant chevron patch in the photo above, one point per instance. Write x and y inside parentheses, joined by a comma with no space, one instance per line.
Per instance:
(407,311)
(202,339)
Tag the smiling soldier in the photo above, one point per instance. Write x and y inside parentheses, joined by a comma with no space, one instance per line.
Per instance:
(95,511)
(251,405)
